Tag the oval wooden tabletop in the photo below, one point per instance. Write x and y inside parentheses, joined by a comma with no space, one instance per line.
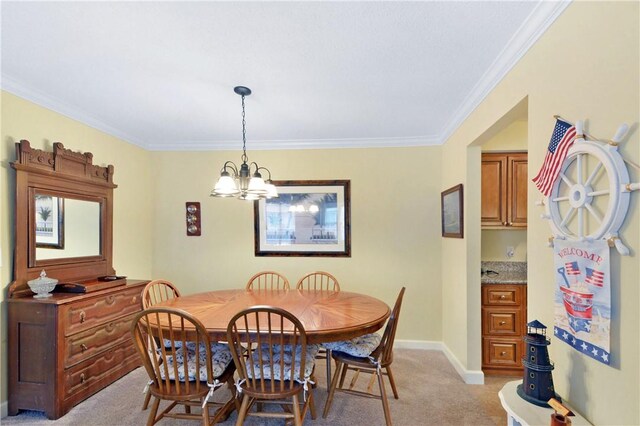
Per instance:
(326,316)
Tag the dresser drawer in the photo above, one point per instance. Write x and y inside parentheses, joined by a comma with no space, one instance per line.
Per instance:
(94,311)
(501,322)
(88,377)
(502,295)
(88,343)
(503,352)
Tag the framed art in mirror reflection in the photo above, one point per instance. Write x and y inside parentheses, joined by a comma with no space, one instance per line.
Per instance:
(49,212)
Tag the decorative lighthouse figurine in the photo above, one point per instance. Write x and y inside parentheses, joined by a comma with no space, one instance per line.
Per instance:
(537,386)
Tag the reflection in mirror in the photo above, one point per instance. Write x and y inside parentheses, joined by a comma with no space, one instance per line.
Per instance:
(66,227)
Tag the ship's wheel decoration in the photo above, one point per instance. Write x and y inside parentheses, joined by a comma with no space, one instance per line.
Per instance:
(590,197)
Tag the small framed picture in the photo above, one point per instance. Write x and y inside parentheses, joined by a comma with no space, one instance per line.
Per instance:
(452,212)
(49,219)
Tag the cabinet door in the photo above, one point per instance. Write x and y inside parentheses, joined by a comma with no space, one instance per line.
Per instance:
(517,182)
(494,189)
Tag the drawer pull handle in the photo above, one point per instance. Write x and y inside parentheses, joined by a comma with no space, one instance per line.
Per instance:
(133,300)
(110,299)
(83,347)
(503,322)
(503,297)
(82,378)
(503,353)
(83,316)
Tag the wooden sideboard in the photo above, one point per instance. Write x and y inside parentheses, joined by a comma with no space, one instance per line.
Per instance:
(504,317)
(67,347)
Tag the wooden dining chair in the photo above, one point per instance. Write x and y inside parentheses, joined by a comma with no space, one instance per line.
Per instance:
(318,281)
(158,291)
(349,355)
(154,292)
(274,363)
(188,371)
(268,280)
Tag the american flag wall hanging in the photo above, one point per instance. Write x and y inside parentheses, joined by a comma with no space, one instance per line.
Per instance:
(582,303)
(561,140)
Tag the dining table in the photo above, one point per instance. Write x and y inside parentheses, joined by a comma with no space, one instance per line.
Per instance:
(326,316)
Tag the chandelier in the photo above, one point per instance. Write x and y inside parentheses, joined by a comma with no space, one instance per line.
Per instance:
(239,181)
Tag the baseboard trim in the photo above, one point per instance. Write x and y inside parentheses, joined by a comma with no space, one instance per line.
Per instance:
(4,409)
(470,377)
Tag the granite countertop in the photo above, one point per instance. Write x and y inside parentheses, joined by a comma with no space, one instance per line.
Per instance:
(507,273)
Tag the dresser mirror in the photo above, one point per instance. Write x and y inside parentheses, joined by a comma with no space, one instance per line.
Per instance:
(64,227)
(63,217)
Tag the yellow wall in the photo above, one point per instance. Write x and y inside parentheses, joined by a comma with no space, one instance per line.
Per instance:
(495,241)
(512,138)
(585,66)
(395,226)
(133,208)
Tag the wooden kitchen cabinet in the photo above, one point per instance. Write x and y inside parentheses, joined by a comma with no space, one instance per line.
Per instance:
(504,317)
(504,189)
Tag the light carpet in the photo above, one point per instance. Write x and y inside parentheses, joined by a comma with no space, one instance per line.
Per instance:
(431,393)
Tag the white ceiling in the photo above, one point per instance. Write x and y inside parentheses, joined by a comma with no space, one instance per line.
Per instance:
(324,74)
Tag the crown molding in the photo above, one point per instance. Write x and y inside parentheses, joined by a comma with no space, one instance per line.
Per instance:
(15,87)
(545,13)
(266,145)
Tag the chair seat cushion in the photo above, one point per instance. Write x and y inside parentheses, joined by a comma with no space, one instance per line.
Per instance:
(282,353)
(361,346)
(220,360)
(167,343)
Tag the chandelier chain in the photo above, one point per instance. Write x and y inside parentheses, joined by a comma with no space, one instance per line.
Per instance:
(244,135)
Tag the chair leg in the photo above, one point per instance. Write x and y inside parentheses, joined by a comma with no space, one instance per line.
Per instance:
(328,352)
(297,418)
(151,420)
(393,382)
(147,398)
(342,376)
(385,402)
(372,380)
(327,405)
(242,413)
(310,402)
(205,414)
(234,393)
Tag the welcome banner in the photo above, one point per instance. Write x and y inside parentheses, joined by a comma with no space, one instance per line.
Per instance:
(583,297)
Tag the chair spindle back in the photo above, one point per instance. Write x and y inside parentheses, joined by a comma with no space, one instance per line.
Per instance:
(268,280)
(318,281)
